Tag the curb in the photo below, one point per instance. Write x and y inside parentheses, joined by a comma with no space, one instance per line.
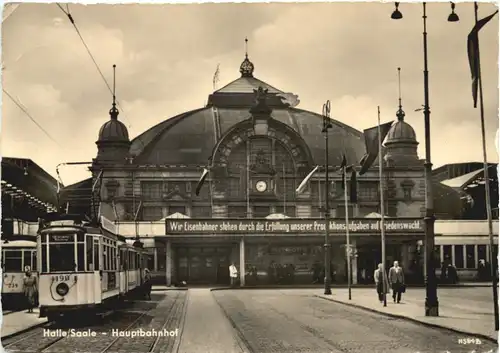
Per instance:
(23,331)
(240,338)
(342,287)
(428,324)
(168,289)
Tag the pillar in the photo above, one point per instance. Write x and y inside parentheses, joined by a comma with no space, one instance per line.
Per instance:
(354,262)
(242,262)
(168,265)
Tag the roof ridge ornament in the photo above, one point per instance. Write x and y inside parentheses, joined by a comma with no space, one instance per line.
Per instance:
(400,113)
(246,67)
(113,112)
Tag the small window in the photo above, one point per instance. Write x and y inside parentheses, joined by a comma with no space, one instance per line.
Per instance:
(27,260)
(81,256)
(459,256)
(34,261)
(13,261)
(90,254)
(96,257)
(44,259)
(447,253)
(469,252)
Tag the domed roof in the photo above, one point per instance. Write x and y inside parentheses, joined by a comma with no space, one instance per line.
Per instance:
(189,138)
(401,131)
(113,129)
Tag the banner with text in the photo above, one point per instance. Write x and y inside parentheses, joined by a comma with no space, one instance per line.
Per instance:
(288,226)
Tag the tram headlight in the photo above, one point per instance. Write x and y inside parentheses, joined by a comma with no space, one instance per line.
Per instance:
(62,289)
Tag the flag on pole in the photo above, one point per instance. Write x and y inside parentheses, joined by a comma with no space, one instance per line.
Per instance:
(304,182)
(473,53)
(372,145)
(216,77)
(353,182)
(201,181)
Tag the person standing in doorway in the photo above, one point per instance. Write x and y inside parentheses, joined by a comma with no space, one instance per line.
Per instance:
(233,274)
(397,281)
(147,283)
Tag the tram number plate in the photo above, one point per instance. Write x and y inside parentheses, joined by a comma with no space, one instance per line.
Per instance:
(11,285)
(61,278)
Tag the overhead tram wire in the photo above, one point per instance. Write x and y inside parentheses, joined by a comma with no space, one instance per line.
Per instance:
(71,19)
(31,117)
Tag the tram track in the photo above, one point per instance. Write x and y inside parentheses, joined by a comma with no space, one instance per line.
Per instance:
(164,318)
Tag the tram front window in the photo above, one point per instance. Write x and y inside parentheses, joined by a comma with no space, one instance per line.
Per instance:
(13,261)
(62,257)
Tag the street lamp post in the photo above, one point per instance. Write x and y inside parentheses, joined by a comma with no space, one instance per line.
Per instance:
(431,297)
(327,125)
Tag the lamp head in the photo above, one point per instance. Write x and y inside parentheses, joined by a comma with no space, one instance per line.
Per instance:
(453,17)
(396,15)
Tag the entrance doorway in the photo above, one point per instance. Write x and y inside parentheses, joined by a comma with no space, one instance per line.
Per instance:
(203,265)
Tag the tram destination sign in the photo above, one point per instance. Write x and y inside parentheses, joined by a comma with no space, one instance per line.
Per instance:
(289,226)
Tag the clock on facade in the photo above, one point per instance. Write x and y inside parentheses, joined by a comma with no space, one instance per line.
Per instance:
(261,186)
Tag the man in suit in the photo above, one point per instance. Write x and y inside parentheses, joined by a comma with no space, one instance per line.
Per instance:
(397,281)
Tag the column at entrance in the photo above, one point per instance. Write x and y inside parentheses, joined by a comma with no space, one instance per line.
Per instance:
(168,265)
(242,262)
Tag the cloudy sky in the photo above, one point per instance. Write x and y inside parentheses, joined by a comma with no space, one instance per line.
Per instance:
(166,56)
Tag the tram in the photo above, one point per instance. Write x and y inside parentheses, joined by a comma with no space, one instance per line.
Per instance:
(84,266)
(18,256)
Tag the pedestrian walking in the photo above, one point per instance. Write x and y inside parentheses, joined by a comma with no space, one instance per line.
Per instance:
(233,274)
(397,281)
(379,278)
(30,290)
(147,283)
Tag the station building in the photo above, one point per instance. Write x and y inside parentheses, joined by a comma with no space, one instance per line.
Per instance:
(259,146)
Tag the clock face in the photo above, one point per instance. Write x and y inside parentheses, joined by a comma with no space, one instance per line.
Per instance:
(261,186)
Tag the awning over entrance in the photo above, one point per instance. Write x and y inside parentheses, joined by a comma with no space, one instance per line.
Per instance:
(277,216)
(176,215)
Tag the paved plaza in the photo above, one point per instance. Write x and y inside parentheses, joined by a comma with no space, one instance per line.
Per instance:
(269,321)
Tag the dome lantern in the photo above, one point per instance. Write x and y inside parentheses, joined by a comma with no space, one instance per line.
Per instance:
(246,67)
(113,141)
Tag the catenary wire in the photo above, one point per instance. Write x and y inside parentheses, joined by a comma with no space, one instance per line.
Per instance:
(31,117)
(71,19)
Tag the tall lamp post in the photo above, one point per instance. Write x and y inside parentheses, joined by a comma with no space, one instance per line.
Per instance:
(431,297)
(327,125)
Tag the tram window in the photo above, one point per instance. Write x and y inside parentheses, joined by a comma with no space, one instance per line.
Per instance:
(481,252)
(150,261)
(44,259)
(13,261)
(459,256)
(81,256)
(27,260)
(34,265)
(96,257)
(447,253)
(90,254)
(80,237)
(471,261)
(62,257)
(105,257)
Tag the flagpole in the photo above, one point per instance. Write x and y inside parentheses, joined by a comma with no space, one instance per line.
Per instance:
(382,208)
(487,182)
(248,179)
(348,241)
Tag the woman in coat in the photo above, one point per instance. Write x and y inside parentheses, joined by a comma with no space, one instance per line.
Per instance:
(380,279)
(30,290)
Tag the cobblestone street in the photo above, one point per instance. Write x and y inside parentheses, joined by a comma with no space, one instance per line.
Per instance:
(284,321)
(244,321)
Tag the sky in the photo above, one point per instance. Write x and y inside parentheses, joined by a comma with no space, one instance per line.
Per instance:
(166,56)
